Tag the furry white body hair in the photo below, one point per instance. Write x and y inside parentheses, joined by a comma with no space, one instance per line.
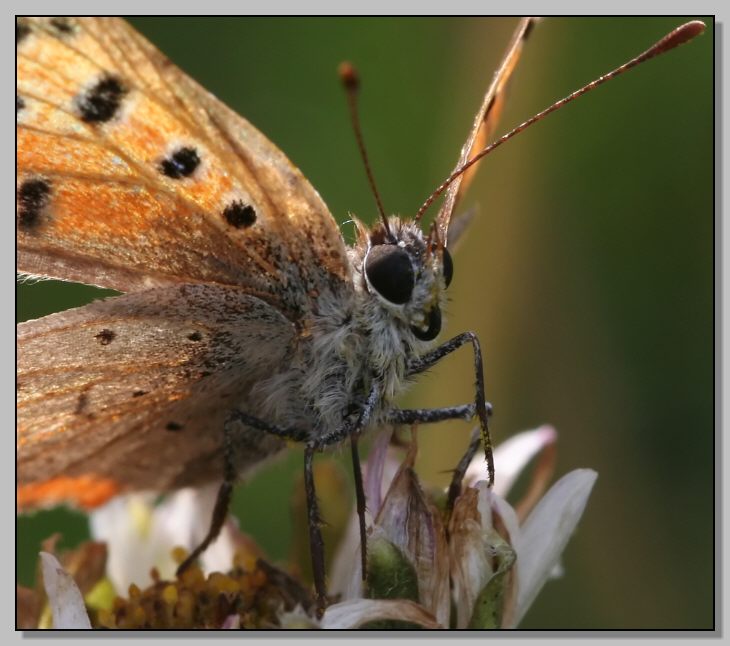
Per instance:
(355,338)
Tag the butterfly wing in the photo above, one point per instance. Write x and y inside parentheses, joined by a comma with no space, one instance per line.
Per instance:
(131,176)
(132,392)
(484,125)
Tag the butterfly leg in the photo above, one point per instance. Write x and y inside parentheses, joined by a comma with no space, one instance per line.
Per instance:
(314,521)
(430,415)
(458,475)
(295,434)
(315,535)
(479,407)
(353,431)
(224,495)
(225,492)
(349,429)
(222,501)
(360,502)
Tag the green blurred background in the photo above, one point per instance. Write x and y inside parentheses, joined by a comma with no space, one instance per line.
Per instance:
(588,275)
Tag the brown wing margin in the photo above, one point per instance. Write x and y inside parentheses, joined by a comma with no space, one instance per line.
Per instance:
(484,123)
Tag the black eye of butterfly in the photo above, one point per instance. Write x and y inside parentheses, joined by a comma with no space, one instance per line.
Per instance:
(389,270)
(448,267)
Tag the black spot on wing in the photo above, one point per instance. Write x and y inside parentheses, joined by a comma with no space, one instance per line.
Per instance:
(239,215)
(139,393)
(182,163)
(173,426)
(101,102)
(105,337)
(22,29)
(34,195)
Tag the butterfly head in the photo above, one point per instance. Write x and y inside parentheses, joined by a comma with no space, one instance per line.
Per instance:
(407,273)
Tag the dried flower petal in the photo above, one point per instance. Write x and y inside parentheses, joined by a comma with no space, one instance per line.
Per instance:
(86,564)
(481,559)
(28,606)
(412,524)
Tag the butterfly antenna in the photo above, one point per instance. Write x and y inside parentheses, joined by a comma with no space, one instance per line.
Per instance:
(351,83)
(679,36)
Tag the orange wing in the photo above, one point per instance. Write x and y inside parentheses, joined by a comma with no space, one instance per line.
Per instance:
(485,123)
(130,175)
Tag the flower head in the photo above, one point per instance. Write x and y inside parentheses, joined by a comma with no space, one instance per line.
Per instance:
(468,559)
(488,557)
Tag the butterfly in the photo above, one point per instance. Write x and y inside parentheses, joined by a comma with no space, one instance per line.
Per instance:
(246,320)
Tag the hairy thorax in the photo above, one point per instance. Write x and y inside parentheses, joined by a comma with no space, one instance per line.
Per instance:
(355,340)
(333,368)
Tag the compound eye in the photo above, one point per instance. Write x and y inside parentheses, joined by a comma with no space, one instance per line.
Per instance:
(448,267)
(390,272)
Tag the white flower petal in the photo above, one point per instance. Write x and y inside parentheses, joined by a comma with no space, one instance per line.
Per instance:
(510,458)
(140,535)
(557,572)
(346,577)
(64,596)
(352,614)
(546,531)
(184,518)
(219,555)
(125,524)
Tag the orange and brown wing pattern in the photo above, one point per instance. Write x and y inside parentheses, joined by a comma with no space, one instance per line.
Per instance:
(130,175)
